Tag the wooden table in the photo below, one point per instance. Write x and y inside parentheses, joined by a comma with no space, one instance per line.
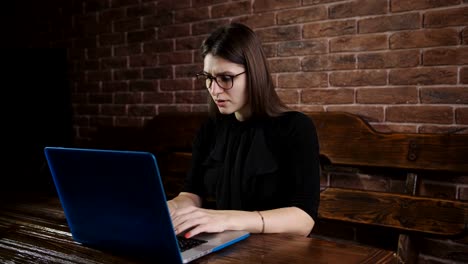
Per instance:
(37,232)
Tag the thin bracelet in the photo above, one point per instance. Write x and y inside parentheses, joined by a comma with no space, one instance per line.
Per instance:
(263,222)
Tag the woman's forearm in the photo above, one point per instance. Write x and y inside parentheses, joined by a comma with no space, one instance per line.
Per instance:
(283,220)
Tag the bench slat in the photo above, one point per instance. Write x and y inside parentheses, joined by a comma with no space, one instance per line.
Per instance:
(347,139)
(402,212)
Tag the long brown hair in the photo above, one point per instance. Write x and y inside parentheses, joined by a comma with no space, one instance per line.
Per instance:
(237,43)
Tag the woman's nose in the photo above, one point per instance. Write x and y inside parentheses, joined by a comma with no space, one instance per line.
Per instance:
(215,89)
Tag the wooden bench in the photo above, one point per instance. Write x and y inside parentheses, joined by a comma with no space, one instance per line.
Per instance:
(345,140)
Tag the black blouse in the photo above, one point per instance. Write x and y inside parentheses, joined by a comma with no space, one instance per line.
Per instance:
(257,165)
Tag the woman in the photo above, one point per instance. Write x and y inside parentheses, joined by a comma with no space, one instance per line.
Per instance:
(255,160)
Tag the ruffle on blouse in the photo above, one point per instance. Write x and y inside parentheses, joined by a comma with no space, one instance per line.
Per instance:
(242,149)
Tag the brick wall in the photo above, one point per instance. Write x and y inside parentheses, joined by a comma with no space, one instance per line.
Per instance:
(400,64)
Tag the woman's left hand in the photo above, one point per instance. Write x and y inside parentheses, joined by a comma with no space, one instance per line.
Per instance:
(199,220)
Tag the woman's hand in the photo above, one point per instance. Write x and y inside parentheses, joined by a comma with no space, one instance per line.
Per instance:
(199,220)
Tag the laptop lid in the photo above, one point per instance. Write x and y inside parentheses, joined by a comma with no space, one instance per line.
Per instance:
(114,200)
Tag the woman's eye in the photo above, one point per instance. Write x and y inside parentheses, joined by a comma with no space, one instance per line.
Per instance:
(224,78)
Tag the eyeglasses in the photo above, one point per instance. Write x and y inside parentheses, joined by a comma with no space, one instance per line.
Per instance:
(224,81)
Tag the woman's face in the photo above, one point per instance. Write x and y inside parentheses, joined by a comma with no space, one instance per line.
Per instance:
(232,100)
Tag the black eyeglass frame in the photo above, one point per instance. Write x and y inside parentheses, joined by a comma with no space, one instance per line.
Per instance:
(210,77)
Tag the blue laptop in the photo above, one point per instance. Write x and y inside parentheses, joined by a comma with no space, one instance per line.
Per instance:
(115,201)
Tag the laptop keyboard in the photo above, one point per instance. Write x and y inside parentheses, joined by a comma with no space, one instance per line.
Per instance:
(188,243)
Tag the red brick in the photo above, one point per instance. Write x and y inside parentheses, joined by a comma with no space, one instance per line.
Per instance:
(461,115)
(87,87)
(284,65)
(143,86)
(98,76)
(91,65)
(158,98)
(191,15)
(127,98)
(96,5)
(330,28)
(465,36)
(87,109)
(329,62)
(130,49)
(109,15)
(158,46)
(205,2)
(394,95)
(464,75)
(405,5)
(206,27)
(423,76)
(119,3)
(444,95)
(178,85)
(358,78)
(187,71)
(317,2)
(127,25)
(327,96)
(358,8)
(284,33)
(190,43)
(145,60)
(173,31)
(200,108)
(368,113)
(447,17)
(143,9)
(257,20)
(141,36)
(288,96)
(183,57)
(167,5)
(88,42)
(141,110)
(264,5)
(359,43)
(157,72)
(301,15)
(112,87)
(270,49)
(193,97)
(389,23)
(100,98)
(113,110)
(420,114)
(308,108)
(431,129)
(113,63)
(307,47)
(446,56)
(127,74)
(163,18)
(424,38)
(124,121)
(176,108)
(391,59)
(231,9)
(111,39)
(302,80)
